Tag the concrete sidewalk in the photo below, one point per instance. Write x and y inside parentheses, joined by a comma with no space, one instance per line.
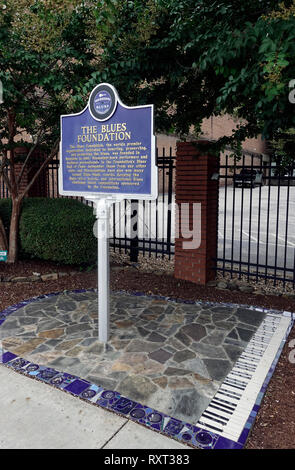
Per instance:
(35,415)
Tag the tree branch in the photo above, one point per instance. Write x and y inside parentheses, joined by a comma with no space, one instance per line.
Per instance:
(3,173)
(6,180)
(44,164)
(12,131)
(3,237)
(27,159)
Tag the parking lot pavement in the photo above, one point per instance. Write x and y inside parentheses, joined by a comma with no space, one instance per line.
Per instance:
(258,225)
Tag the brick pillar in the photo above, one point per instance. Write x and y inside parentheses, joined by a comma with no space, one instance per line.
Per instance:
(194,170)
(21,152)
(40,187)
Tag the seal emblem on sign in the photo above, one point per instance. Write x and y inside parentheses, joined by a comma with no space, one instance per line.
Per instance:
(102,102)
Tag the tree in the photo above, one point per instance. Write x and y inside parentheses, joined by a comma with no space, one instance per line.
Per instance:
(283,151)
(45,58)
(3,238)
(198,59)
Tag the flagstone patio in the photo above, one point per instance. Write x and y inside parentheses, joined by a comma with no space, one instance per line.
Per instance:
(167,355)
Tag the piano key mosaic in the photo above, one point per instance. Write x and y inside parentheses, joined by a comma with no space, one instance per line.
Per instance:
(191,360)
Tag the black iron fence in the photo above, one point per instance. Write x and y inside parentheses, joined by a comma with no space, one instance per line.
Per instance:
(4,193)
(145,227)
(256,229)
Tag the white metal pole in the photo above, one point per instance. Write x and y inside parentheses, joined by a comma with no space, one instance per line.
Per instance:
(103,268)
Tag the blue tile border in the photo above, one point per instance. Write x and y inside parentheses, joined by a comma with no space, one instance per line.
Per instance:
(186,433)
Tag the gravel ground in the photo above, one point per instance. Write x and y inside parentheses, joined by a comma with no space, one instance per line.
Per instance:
(275,424)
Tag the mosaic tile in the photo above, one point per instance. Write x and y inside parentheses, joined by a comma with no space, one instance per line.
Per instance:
(91,392)
(108,398)
(18,363)
(124,405)
(77,386)
(6,357)
(47,374)
(158,421)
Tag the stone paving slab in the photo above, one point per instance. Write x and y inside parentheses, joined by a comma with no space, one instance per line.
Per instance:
(166,355)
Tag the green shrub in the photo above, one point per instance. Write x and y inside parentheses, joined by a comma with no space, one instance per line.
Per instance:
(59,230)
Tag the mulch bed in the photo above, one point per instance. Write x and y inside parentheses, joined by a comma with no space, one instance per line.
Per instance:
(275,424)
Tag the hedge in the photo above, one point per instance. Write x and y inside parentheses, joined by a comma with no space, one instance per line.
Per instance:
(59,230)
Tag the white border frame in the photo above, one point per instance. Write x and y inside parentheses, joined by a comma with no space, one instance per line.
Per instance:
(92,196)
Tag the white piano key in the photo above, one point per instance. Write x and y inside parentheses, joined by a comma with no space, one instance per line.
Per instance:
(232,404)
(243,404)
(222,395)
(226,405)
(209,425)
(225,388)
(233,428)
(216,417)
(243,365)
(249,357)
(235,381)
(236,373)
(233,417)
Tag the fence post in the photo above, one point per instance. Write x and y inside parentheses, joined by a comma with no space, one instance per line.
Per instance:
(134,231)
(196,188)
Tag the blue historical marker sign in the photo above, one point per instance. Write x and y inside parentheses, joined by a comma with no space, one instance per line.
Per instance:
(108,149)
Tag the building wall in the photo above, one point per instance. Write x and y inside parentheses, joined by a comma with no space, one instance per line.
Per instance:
(219,126)
(212,129)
